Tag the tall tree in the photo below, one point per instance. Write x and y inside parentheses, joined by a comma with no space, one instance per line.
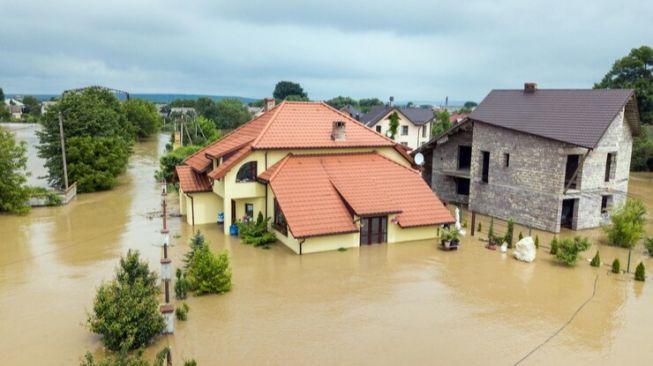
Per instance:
(441,123)
(207,107)
(98,139)
(284,89)
(33,105)
(13,191)
(143,116)
(394,124)
(2,95)
(231,113)
(340,101)
(634,71)
(367,103)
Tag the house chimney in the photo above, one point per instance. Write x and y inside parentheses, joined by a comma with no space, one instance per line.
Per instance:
(268,103)
(338,131)
(530,88)
(392,101)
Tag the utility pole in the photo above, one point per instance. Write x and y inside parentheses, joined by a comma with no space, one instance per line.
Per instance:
(63,150)
(166,268)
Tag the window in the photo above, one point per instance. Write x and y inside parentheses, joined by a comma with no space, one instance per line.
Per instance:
(610,165)
(246,173)
(485,170)
(462,186)
(570,169)
(279,222)
(378,129)
(249,210)
(425,130)
(464,157)
(606,203)
(506,160)
(404,130)
(404,143)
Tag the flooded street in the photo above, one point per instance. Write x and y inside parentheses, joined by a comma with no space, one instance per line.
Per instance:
(392,304)
(27,132)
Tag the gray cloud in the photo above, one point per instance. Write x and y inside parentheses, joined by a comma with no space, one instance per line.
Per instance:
(414,50)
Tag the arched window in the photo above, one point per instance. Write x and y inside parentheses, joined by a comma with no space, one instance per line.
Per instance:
(246,173)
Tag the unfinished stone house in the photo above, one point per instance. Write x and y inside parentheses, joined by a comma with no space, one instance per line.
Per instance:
(545,158)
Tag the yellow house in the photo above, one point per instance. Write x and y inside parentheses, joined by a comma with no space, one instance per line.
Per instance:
(414,123)
(325,180)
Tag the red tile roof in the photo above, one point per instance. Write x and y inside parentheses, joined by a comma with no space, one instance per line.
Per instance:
(315,192)
(229,161)
(192,182)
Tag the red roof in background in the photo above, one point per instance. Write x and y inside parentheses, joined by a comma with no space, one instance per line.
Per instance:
(457,117)
(192,182)
(315,191)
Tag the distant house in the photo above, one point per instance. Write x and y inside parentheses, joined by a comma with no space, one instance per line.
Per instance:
(414,123)
(321,176)
(545,158)
(187,111)
(352,112)
(15,107)
(457,117)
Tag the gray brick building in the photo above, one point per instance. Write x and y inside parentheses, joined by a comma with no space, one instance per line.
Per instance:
(545,158)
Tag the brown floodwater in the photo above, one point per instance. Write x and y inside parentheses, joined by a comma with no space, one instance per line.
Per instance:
(407,303)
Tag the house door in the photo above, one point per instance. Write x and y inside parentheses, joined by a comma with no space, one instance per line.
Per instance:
(567,215)
(233,212)
(374,230)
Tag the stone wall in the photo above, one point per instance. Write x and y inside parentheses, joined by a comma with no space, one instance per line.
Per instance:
(445,158)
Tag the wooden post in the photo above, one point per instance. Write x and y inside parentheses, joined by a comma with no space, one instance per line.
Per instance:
(63,151)
(473,222)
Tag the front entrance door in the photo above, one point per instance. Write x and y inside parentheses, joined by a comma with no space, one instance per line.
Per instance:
(233,212)
(374,230)
(567,215)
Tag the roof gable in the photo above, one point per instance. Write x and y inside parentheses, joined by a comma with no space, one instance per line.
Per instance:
(417,116)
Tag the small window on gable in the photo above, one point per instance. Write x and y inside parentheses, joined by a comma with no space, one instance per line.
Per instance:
(610,166)
(606,203)
(506,160)
(378,129)
(425,130)
(404,130)
(246,173)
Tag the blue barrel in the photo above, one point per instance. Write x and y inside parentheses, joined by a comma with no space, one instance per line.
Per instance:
(233,230)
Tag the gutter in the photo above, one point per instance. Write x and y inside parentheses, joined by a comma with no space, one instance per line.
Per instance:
(192,208)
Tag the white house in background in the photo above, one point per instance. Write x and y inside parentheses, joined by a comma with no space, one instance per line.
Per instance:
(15,107)
(414,123)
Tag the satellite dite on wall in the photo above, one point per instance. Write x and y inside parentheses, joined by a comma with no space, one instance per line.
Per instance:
(419,159)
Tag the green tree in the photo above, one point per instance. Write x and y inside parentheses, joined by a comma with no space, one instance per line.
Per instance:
(569,249)
(170,160)
(183,103)
(441,123)
(648,245)
(642,156)
(143,116)
(394,124)
(14,192)
(554,245)
(596,261)
(616,266)
(123,358)
(209,273)
(508,238)
(231,113)
(366,104)
(627,224)
(95,126)
(33,106)
(208,131)
(340,102)
(126,310)
(283,89)
(470,105)
(2,95)
(634,71)
(640,272)
(207,108)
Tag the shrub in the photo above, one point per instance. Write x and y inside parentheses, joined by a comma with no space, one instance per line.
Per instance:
(616,266)
(648,244)
(125,359)
(490,233)
(209,273)
(627,224)
(508,237)
(14,192)
(181,285)
(449,234)
(465,223)
(537,242)
(554,245)
(479,227)
(256,232)
(196,243)
(640,272)
(190,362)
(126,310)
(521,236)
(170,160)
(596,261)
(568,249)
(182,311)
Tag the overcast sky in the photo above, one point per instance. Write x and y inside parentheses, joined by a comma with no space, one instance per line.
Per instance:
(413,50)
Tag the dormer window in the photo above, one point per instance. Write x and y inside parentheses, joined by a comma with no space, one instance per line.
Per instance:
(246,173)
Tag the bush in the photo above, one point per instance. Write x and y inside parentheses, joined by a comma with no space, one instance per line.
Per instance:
(170,160)
(537,242)
(190,362)
(554,245)
(648,244)
(640,272)
(490,233)
(182,311)
(568,249)
(125,359)
(627,224)
(449,234)
(596,261)
(196,243)
(616,266)
(14,192)
(479,227)
(143,116)
(208,273)
(521,236)
(181,285)
(508,237)
(126,310)
(256,232)
(465,223)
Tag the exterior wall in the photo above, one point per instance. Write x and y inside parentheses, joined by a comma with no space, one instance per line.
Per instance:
(414,138)
(182,202)
(444,162)
(330,242)
(529,190)
(205,210)
(397,234)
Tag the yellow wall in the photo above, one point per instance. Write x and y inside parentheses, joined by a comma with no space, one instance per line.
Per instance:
(182,202)
(414,138)
(206,207)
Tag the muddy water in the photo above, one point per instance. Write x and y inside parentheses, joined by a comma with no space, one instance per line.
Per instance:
(386,304)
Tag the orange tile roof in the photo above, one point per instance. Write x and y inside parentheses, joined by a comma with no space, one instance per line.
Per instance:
(192,182)
(315,191)
(229,161)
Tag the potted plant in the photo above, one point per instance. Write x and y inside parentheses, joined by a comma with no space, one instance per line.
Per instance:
(449,239)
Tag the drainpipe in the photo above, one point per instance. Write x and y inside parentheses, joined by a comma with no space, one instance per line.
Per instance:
(266,187)
(192,209)
(300,245)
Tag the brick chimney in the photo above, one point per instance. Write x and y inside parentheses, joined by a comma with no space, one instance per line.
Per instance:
(530,88)
(268,103)
(338,131)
